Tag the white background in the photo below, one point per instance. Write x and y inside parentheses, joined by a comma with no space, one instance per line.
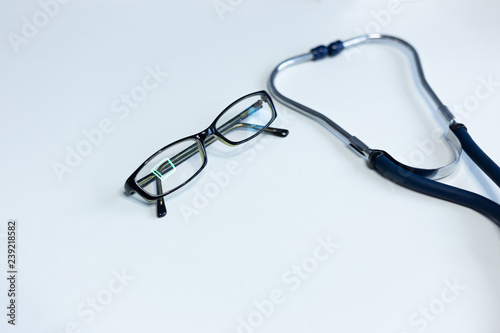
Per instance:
(200,272)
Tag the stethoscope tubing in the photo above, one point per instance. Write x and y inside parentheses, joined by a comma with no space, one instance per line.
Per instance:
(384,165)
(476,154)
(419,180)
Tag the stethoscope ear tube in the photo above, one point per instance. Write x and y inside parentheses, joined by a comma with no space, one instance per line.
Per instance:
(420,180)
(389,168)
(476,154)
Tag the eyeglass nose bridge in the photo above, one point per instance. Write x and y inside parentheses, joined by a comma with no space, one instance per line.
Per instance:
(209,136)
(203,135)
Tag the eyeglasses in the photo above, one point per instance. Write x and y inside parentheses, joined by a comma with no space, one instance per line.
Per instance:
(176,164)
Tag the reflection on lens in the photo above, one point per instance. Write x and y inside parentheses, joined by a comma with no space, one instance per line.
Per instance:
(171,168)
(245,119)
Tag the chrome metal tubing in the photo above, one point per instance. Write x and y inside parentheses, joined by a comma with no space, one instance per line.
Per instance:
(353,141)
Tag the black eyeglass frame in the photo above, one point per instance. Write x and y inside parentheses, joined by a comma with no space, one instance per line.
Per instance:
(131,185)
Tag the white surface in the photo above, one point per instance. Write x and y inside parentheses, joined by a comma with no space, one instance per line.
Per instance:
(398,250)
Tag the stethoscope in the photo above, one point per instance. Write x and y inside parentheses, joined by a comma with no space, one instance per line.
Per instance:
(417,179)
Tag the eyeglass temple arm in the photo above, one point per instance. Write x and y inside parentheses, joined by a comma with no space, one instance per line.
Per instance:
(228,125)
(235,123)
(280,132)
(161,209)
(193,149)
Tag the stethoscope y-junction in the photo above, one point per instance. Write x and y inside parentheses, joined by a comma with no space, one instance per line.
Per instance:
(417,179)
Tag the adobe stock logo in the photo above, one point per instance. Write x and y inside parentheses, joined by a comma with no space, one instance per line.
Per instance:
(293,278)
(31,27)
(223,6)
(121,108)
(95,304)
(380,20)
(426,315)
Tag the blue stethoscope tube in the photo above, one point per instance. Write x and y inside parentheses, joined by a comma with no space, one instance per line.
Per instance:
(419,180)
(387,167)
(483,161)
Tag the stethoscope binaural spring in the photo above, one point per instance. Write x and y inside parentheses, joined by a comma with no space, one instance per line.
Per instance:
(417,179)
